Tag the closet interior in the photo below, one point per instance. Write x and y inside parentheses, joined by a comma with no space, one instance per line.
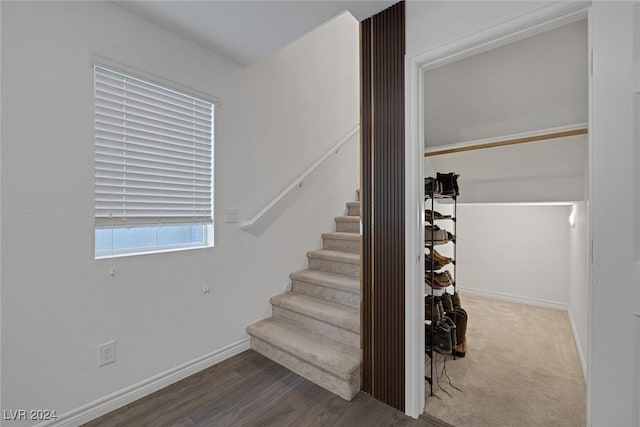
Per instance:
(509,246)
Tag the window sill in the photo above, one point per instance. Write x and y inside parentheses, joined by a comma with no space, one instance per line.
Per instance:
(149,252)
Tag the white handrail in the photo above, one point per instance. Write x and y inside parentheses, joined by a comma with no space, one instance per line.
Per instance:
(297,182)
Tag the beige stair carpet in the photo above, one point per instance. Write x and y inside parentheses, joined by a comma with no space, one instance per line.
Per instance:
(521,369)
(315,328)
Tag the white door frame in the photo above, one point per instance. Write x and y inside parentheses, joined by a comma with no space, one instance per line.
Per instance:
(544,19)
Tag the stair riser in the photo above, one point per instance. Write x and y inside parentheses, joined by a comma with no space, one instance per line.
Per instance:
(318,327)
(343,388)
(348,227)
(336,267)
(327,294)
(353,210)
(352,246)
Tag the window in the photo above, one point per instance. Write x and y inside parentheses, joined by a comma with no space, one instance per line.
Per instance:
(153,167)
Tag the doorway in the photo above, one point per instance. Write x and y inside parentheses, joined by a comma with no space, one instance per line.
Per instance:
(522,168)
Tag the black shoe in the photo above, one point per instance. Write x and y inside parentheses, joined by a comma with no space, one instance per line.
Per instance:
(452,327)
(432,187)
(442,338)
(449,183)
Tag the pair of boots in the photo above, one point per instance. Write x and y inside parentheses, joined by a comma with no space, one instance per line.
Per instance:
(449,183)
(444,184)
(447,307)
(435,307)
(450,302)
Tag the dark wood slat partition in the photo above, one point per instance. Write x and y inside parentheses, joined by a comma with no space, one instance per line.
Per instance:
(382,49)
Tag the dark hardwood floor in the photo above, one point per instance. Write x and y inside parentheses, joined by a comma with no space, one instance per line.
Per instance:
(251,390)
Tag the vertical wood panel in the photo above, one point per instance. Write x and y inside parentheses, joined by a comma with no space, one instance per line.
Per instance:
(382,192)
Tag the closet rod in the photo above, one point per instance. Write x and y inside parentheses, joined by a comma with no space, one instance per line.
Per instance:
(534,138)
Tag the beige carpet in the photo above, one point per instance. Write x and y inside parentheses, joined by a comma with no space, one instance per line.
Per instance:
(521,369)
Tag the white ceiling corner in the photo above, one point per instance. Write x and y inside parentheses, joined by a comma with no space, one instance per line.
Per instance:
(246,31)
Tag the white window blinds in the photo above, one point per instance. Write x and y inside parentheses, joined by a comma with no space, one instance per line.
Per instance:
(153,153)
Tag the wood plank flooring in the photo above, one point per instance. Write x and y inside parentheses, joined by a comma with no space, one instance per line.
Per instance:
(251,390)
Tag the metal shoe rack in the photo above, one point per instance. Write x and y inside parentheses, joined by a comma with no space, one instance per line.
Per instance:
(431,273)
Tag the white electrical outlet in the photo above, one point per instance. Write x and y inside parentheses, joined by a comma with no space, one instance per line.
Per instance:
(106,353)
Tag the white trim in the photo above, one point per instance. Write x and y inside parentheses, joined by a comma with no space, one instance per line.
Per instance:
(122,397)
(465,144)
(298,182)
(414,254)
(515,298)
(101,61)
(566,203)
(590,275)
(576,339)
(546,18)
(636,370)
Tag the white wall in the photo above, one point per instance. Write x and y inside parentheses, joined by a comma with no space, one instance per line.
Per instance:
(579,281)
(58,303)
(544,171)
(530,85)
(517,251)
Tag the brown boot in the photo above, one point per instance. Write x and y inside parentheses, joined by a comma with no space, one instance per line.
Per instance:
(431,309)
(460,350)
(459,317)
(455,300)
(447,304)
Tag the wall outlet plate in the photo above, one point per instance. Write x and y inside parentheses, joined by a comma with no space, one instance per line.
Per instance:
(106,353)
(231,215)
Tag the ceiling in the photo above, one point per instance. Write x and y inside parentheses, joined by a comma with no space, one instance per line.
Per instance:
(536,83)
(246,31)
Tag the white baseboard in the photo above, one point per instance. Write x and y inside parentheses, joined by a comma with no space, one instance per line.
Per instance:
(122,397)
(515,298)
(576,339)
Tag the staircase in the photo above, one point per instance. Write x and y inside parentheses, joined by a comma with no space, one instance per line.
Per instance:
(315,328)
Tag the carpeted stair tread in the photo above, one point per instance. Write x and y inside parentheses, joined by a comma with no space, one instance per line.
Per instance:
(337,359)
(340,256)
(341,235)
(329,280)
(350,218)
(334,314)
(345,240)
(353,208)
